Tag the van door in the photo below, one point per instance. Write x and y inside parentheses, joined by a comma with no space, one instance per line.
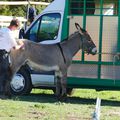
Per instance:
(45,29)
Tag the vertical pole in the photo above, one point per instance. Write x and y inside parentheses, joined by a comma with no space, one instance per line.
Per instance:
(84,15)
(84,24)
(100,39)
(65,24)
(118,34)
(96,113)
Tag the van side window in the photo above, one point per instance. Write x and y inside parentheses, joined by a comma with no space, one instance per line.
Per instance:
(45,28)
(49,27)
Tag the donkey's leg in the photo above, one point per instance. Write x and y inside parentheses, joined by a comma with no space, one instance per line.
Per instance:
(64,85)
(58,83)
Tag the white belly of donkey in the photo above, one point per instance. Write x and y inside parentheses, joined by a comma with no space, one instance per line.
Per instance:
(42,67)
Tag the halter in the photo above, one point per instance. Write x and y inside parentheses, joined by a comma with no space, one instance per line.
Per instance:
(81,38)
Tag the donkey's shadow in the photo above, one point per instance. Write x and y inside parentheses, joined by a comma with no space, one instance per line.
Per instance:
(50,98)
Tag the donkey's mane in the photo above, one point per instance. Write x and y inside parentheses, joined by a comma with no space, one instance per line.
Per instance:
(70,36)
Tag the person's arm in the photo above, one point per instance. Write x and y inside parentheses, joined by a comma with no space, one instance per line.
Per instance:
(14,43)
(19,45)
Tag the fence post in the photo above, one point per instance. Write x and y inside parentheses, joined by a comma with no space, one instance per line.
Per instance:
(96,113)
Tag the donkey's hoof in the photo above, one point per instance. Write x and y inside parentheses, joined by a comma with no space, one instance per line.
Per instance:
(62,98)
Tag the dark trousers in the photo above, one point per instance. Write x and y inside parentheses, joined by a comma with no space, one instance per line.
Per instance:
(4,72)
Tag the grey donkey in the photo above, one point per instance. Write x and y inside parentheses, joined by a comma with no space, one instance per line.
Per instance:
(55,57)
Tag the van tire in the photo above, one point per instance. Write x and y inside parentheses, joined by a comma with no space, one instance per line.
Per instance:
(22,87)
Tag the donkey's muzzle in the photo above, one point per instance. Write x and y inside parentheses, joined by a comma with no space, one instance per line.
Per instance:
(94,51)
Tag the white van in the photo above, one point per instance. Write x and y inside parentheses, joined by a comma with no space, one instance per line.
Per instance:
(55,23)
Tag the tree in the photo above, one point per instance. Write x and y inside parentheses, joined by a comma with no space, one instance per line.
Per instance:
(21,9)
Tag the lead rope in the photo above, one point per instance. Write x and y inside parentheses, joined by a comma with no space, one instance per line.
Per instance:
(60,47)
(116,55)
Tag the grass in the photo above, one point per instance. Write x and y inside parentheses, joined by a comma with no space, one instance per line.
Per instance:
(42,105)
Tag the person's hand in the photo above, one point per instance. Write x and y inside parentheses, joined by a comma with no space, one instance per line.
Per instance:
(20,42)
(20,45)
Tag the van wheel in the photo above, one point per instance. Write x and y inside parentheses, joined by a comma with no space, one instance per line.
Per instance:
(21,83)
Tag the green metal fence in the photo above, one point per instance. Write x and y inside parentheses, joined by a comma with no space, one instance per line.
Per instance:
(102,19)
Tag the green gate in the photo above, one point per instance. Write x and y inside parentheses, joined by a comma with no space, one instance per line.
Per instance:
(101,18)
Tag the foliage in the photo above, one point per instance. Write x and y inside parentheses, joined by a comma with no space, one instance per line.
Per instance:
(19,10)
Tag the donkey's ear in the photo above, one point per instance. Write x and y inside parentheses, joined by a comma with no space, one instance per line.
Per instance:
(78,28)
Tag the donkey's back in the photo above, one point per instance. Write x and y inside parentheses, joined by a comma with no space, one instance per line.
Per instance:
(46,57)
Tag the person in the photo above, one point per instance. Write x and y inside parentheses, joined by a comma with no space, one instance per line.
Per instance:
(7,42)
(31,14)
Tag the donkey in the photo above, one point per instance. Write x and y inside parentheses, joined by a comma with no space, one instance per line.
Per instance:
(55,57)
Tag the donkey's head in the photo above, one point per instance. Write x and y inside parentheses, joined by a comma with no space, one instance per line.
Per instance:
(87,44)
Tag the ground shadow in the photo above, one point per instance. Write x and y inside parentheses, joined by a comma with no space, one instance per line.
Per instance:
(50,98)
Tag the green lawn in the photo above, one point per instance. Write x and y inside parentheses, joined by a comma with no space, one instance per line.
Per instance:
(42,105)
